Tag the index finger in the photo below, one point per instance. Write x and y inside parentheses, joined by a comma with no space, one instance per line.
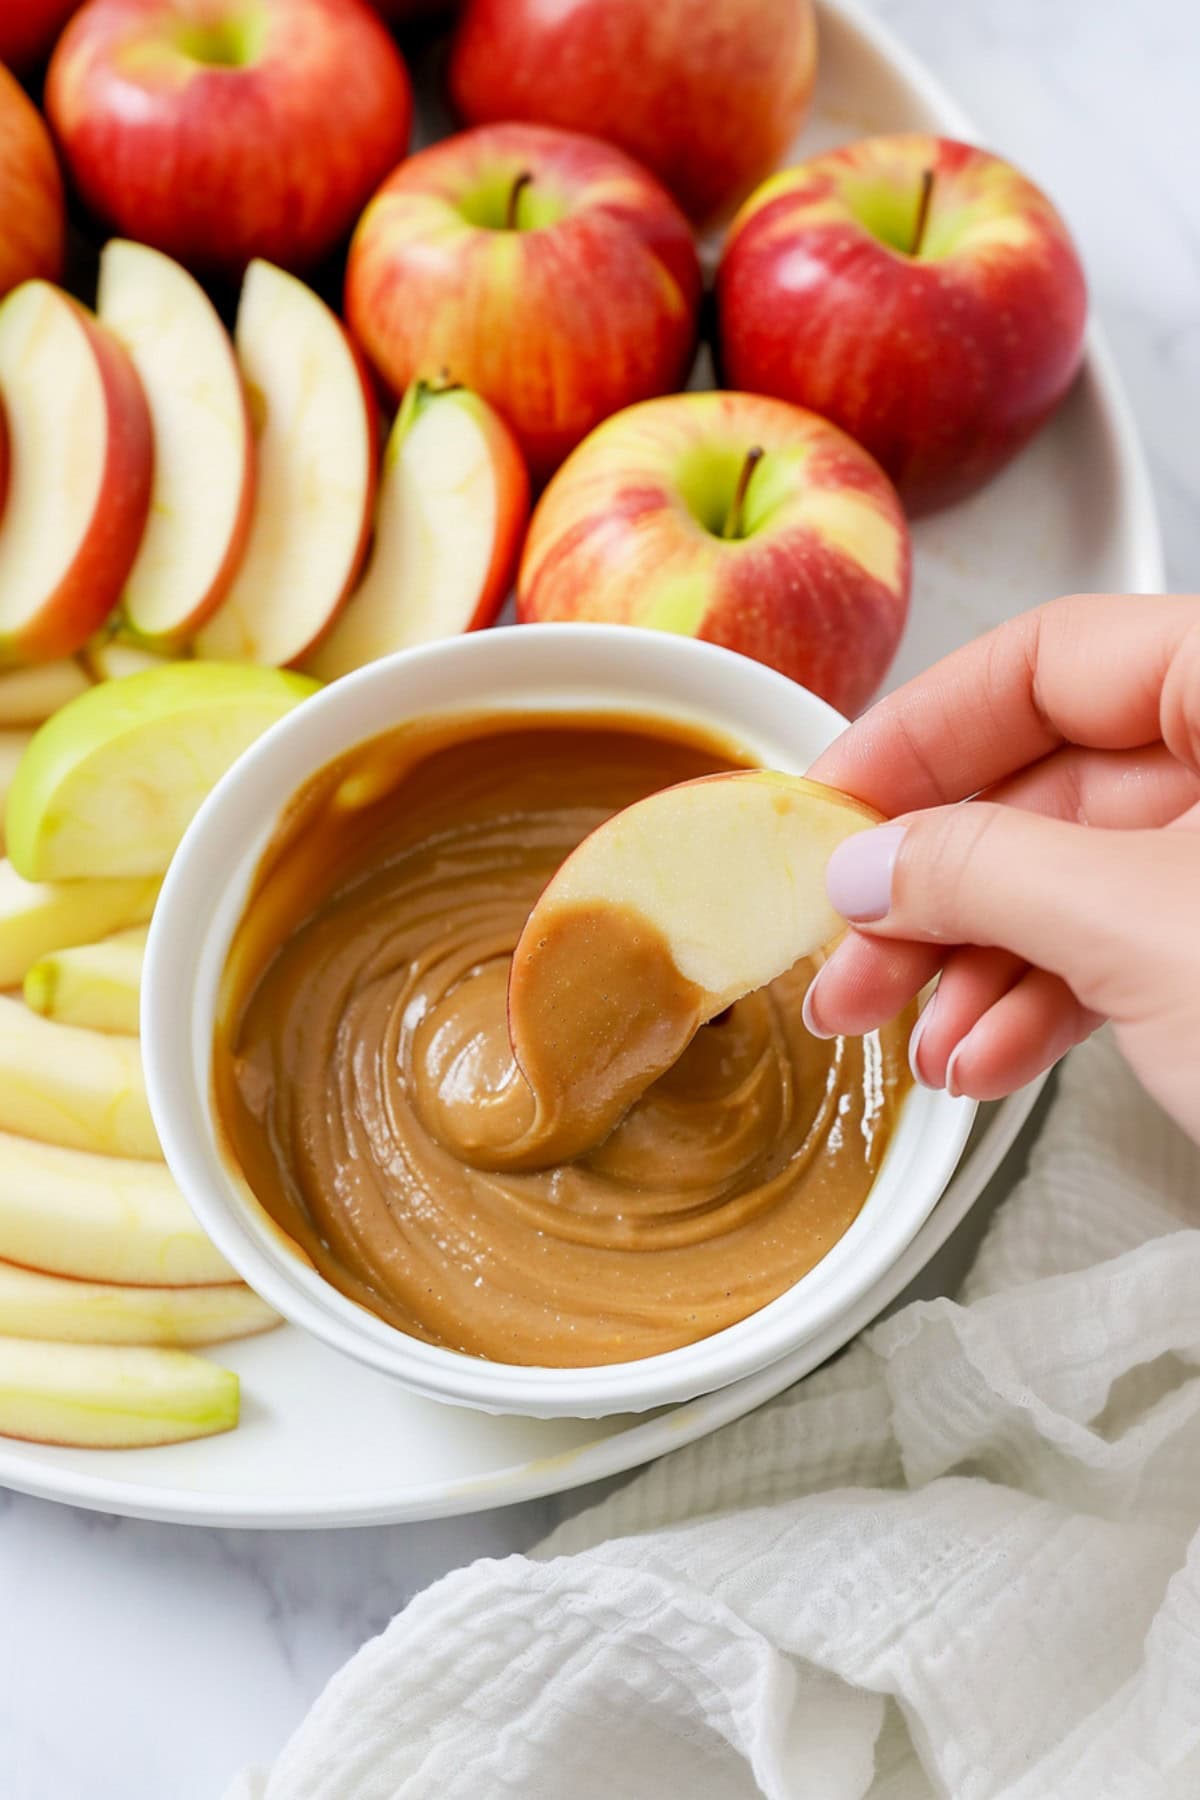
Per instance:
(1087,669)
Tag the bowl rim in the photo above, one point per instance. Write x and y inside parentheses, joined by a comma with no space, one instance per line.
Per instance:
(186,951)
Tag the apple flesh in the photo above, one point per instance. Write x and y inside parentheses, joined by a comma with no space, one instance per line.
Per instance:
(203,447)
(72,523)
(707,97)
(63,1310)
(314,417)
(13,745)
(32,220)
(39,917)
(110,784)
(100,1218)
(109,1396)
(453,503)
(735,519)
(30,696)
(920,293)
(541,269)
(96,985)
(238,129)
(82,1089)
(111,658)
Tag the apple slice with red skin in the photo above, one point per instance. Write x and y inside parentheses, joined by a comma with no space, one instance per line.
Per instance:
(72,524)
(453,503)
(203,490)
(664,916)
(315,422)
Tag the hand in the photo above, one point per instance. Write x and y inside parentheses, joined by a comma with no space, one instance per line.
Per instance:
(1068,890)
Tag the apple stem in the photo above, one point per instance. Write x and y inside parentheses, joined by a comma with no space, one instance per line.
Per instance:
(922,212)
(732,527)
(514,198)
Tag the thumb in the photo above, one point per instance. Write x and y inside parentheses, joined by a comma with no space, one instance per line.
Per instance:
(1111,912)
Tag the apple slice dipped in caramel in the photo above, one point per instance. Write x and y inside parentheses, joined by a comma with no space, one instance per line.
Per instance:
(663,917)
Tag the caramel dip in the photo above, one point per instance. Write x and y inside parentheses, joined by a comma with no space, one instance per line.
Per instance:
(369,1094)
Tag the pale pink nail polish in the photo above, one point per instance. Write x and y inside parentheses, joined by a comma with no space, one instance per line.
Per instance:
(914,1042)
(952,1087)
(859,877)
(806,1011)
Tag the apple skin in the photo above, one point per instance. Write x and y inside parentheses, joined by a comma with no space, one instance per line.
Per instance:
(557,326)
(216,162)
(28,29)
(32,225)
(707,97)
(91,583)
(628,532)
(943,365)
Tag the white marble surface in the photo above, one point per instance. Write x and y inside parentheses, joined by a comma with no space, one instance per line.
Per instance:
(147,1662)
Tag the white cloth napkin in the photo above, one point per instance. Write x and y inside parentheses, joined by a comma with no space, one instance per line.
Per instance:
(963,1560)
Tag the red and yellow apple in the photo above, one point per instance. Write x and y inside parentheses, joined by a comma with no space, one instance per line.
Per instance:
(542,269)
(453,504)
(732,518)
(28,29)
(707,97)
(919,292)
(31,196)
(72,522)
(231,130)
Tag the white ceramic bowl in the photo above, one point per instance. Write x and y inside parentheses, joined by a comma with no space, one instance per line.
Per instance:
(596,668)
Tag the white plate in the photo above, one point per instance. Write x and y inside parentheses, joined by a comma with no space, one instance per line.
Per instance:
(323,1442)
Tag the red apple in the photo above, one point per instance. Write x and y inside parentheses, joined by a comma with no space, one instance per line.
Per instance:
(28,29)
(709,97)
(732,518)
(919,292)
(31,195)
(543,270)
(79,488)
(231,130)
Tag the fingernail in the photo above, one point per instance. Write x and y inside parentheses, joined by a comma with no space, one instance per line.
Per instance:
(808,1013)
(859,877)
(914,1041)
(952,1087)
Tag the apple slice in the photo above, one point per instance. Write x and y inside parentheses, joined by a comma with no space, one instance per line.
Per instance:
(453,502)
(13,745)
(314,419)
(29,696)
(36,1305)
(111,658)
(100,1218)
(82,459)
(663,916)
(111,1397)
(111,783)
(97,985)
(200,504)
(82,1089)
(39,917)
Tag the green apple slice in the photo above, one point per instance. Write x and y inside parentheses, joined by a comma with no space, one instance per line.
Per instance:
(661,918)
(100,1218)
(37,917)
(28,696)
(110,784)
(97,985)
(36,1305)
(108,1396)
(82,1089)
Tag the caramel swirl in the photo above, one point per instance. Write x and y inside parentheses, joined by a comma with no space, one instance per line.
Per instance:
(365,1079)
